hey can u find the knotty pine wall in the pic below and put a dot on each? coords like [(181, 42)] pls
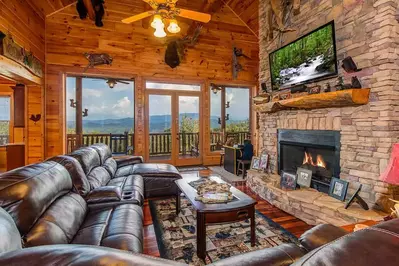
[(138, 54), (28, 30)]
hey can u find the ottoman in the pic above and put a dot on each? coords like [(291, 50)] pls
[(159, 179)]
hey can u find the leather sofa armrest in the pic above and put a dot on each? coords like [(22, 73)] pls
[(104, 195), (282, 255), (128, 160), (320, 235), (82, 255)]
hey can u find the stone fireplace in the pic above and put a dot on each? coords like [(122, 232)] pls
[(315, 150), (367, 31)]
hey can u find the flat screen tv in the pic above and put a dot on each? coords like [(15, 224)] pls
[(309, 58)]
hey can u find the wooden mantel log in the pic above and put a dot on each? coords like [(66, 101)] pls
[(342, 98)]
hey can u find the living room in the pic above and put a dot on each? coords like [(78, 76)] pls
[(202, 132)]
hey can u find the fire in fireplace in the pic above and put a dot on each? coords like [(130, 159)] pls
[(316, 150)]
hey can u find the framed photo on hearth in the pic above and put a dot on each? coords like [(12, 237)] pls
[(255, 164), (304, 177), (288, 181), (338, 189)]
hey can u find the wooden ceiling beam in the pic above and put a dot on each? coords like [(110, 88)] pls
[(227, 3), (209, 7)]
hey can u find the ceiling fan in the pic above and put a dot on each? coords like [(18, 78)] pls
[(112, 82), (167, 10)]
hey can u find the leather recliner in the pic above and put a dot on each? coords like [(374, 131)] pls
[(46, 211), (93, 169)]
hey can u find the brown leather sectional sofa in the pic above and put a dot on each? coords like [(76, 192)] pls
[(85, 209)]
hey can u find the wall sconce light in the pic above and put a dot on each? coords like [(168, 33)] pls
[(227, 105), (85, 113), (73, 103), (215, 89)]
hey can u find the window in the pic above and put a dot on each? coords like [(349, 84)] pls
[(169, 86), (107, 113), (5, 117), (230, 116)]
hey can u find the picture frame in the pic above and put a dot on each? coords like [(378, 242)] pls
[(288, 181), (264, 161), (356, 198), (338, 188), (255, 163), (304, 177)]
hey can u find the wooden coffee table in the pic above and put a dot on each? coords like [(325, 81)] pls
[(241, 208)]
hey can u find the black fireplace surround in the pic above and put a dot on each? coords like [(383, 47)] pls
[(322, 148)]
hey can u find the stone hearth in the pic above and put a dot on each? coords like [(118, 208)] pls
[(309, 205)]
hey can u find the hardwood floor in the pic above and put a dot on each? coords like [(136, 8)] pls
[(287, 221)]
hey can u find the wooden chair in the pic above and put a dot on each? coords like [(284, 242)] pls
[(242, 167)]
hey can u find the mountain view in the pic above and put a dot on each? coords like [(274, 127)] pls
[(158, 123)]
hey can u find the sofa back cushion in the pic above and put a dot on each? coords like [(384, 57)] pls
[(80, 182), (10, 238), (107, 161), (90, 160), (26, 193), (60, 222)]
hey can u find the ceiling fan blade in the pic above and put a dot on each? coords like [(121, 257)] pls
[(121, 81), (198, 16), (138, 17)]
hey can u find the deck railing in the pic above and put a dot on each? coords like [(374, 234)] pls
[(4, 139), (159, 143)]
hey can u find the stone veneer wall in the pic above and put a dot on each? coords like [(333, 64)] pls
[(367, 31)]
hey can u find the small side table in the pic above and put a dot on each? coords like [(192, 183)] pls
[(242, 167)]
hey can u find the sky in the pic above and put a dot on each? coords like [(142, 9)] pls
[(106, 103), (102, 101), (4, 108)]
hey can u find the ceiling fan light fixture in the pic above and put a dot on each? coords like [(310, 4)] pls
[(111, 83), (173, 26), (157, 22), (160, 32)]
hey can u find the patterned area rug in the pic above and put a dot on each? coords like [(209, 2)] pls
[(176, 235)]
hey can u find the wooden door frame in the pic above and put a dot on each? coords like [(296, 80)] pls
[(175, 111)]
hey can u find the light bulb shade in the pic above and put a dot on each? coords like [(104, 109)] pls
[(157, 22), (160, 32), (391, 173), (111, 83), (173, 26)]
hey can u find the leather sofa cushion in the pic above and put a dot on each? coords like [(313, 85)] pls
[(87, 157), (10, 239), (27, 192), (320, 235), (282, 255), (128, 160), (377, 245), (132, 187), (79, 255), (60, 222), (119, 227), (149, 170), (98, 177), (106, 159), (79, 180)]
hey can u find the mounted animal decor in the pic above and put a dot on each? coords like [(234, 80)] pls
[(275, 12), (92, 8), (174, 54), (97, 60), (236, 66), (35, 118)]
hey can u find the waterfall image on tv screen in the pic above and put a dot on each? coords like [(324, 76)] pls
[(311, 57)]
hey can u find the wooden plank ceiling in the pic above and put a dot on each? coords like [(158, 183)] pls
[(245, 10)]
